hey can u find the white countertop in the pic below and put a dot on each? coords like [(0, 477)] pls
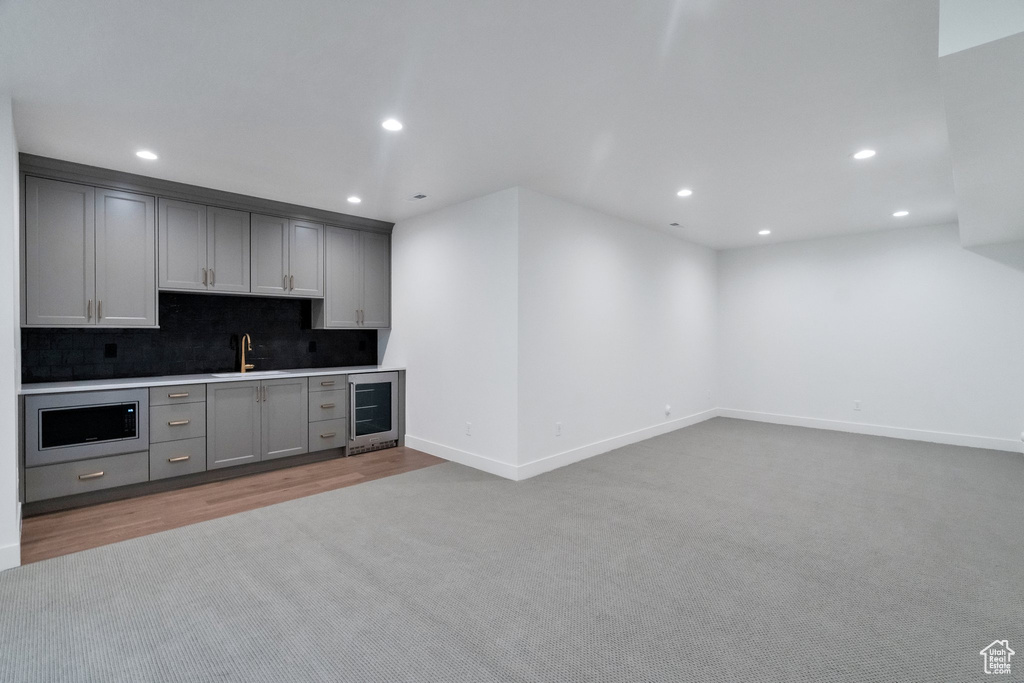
[(168, 380)]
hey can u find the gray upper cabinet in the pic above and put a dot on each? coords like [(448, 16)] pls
[(287, 257), (227, 249), (306, 258), (182, 245), (357, 281), (90, 256), (203, 248), (60, 254), (376, 275), (125, 259), (233, 428), (285, 417)]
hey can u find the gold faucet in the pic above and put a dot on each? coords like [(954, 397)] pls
[(246, 342)]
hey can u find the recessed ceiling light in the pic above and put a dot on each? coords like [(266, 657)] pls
[(674, 225), (901, 214), (146, 154), (354, 200), (864, 154), (685, 192), (392, 124), (764, 232)]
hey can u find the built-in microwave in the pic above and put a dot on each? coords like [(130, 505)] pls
[(88, 424)]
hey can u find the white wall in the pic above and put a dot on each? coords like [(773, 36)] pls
[(616, 320), (10, 341), (928, 335), (454, 325)]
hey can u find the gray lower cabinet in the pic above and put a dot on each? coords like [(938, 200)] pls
[(83, 476), (90, 256), (285, 410), (252, 421), (357, 286), (328, 434), (233, 427), (175, 458)]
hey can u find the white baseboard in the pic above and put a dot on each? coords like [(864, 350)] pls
[(551, 462), (951, 439), (479, 462), (10, 556)]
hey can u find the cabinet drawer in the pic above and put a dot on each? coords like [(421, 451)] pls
[(82, 476), (328, 434), (328, 405), (170, 423), (328, 383), (174, 458), (182, 393)]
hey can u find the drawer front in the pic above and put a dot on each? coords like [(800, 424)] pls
[(328, 405), (174, 458), (82, 476), (328, 434), (182, 393), (171, 423), (328, 383)]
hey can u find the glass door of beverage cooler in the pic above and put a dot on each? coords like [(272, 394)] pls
[(373, 408)]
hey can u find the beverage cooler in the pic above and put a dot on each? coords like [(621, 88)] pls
[(373, 411)]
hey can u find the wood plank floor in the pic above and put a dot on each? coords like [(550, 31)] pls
[(69, 531)]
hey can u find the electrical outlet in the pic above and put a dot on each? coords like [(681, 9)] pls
[(469, 429), (558, 429), (856, 405)]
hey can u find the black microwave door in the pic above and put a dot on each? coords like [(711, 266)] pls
[(86, 424)]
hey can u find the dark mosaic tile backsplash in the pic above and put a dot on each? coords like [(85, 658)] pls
[(198, 334)]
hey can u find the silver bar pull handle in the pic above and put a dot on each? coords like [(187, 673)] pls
[(257, 393), (183, 394), (326, 406), (99, 309), (286, 283), (180, 458), (291, 278), (329, 435), (264, 394), (352, 411), (88, 310), (94, 475), (178, 423), (204, 277), (327, 383), (213, 280)]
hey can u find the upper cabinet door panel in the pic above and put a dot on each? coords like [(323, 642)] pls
[(376, 283), (343, 295), (60, 267), (182, 245), (228, 250), (270, 255), (125, 259), (306, 259)]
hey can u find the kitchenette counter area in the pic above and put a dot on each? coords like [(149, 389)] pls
[(209, 378)]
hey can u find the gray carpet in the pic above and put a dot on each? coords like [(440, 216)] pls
[(726, 551)]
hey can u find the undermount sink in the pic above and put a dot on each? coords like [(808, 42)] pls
[(250, 373)]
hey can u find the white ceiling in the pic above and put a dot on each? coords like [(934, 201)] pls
[(613, 104)]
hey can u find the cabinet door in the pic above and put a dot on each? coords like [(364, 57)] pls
[(182, 245), (60, 253), (269, 255), (227, 249), (306, 259), (343, 279), (285, 417), (125, 259), (376, 270), (232, 423)]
